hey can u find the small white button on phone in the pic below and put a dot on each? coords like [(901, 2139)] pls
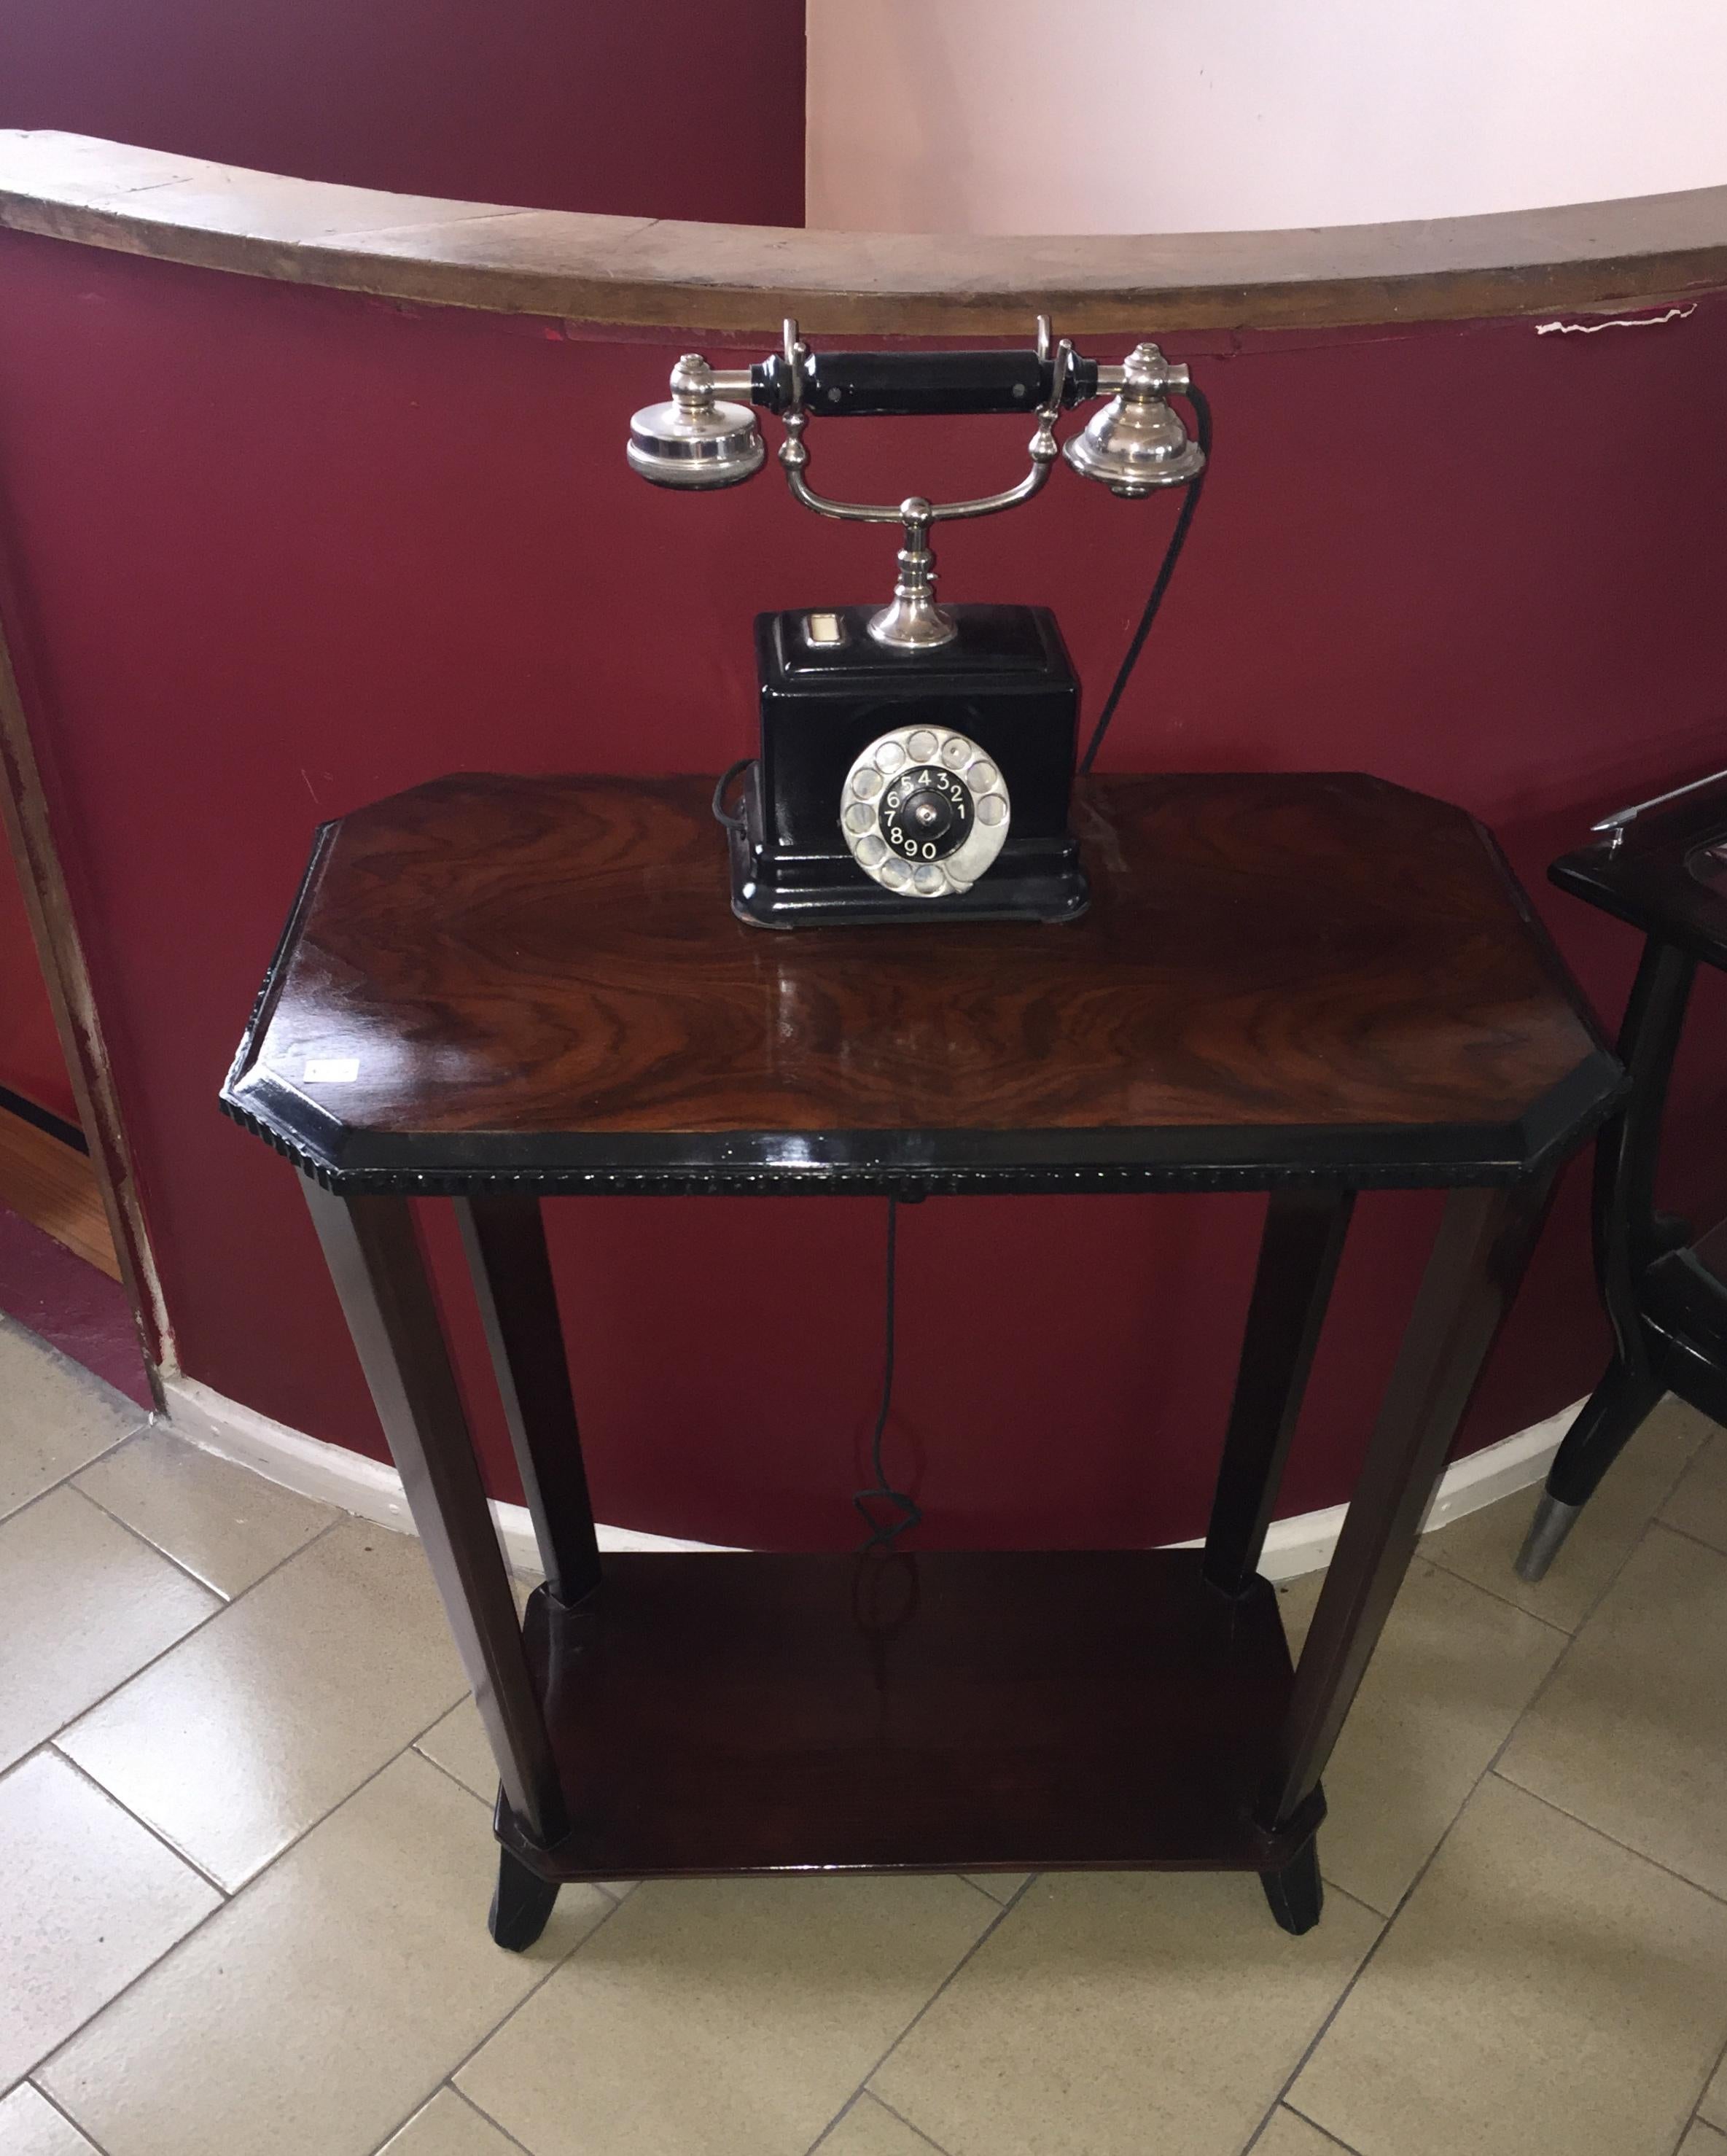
[(824, 628)]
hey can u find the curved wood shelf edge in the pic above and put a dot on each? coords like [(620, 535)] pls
[(653, 273)]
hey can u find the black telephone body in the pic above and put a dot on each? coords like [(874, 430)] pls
[(916, 762)]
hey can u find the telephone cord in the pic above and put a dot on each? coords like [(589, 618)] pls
[(883, 1532), (1172, 554)]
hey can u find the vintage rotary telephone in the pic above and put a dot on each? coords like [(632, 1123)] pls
[(916, 760)]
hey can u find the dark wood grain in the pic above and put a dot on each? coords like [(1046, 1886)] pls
[(663, 272), (959, 1711), (523, 973)]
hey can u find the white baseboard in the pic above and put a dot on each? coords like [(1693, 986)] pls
[(367, 1487)]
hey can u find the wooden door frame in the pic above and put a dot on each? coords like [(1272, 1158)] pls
[(60, 948)]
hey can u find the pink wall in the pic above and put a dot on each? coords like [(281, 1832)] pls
[(274, 552), (520, 102), (1218, 117)]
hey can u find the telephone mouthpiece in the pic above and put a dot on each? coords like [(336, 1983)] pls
[(1137, 443), (695, 441)]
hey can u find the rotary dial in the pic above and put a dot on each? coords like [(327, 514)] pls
[(924, 812)]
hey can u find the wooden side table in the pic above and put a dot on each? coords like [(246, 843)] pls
[(500, 989)]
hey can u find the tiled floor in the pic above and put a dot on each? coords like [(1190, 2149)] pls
[(245, 1856)]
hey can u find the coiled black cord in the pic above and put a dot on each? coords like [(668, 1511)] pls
[(1172, 554), (733, 819)]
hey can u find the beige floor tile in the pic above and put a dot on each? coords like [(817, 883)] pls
[(457, 1744), (999, 1886), (1698, 1503), (223, 1522), (1703, 2140), (449, 2126), (1543, 1990), (1483, 1546), (1111, 2012), (1713, 2107), (53, 1417), (30, 2125), (86, 1604), (1632, 1734), (731, 2016), (870, 2128), (237, 1740), (1289, 2134), (312, 2015), (87, 1900), (1453, 1670)]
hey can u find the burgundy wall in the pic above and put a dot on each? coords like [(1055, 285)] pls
[(275, 552), (514, 101)]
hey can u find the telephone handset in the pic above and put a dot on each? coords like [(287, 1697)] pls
[(916, 760)]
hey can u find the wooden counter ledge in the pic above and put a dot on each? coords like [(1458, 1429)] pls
[(657, 274)]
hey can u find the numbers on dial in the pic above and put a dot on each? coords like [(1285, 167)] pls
[(924, 812)]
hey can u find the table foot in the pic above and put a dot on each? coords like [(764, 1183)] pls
[(522, 1906), (1552, 1523), (1296, 1894), (1608, 1420)]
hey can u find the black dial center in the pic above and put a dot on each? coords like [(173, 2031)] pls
[(926, 814)]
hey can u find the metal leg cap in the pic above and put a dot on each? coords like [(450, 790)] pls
[(1546, 1539)]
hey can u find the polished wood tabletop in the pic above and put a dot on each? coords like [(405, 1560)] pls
[(491, 979)]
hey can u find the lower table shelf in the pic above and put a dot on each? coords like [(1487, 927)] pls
[(949, 1712)]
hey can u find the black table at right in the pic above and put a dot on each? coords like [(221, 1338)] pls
[(1662, 867)]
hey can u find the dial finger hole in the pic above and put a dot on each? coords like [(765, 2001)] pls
[(867, 783), (992, 810), (871, 849), (929, 879), (888, 757), (981, 775), (955, 750), (860, 817), (895, 875), (921, 744)]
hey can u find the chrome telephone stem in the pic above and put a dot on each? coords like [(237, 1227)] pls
[(913, 622)]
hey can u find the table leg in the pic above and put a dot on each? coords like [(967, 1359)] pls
[(1477, 1261), (505, 1240), (1304, 1231), (374, 1258), (1629, 1235)]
